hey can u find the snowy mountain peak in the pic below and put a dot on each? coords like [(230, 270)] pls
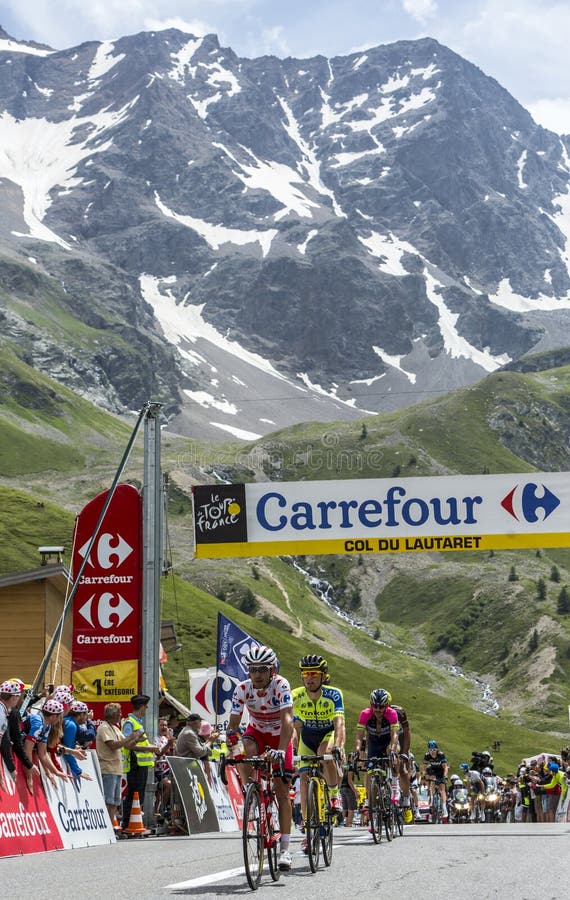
[(292, 239)]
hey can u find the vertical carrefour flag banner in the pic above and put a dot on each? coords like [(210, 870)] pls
[(108, 601), (233, 644)]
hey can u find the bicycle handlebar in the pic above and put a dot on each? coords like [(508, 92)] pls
[(315, 758), (264, 764)]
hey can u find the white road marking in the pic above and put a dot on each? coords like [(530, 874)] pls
[(207, 879)]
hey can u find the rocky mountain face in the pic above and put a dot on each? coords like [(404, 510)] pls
[(258, 242)]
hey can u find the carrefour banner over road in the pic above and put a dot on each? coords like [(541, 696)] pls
[(462, 512)]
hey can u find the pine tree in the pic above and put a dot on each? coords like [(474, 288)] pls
[(554, 574), (513, 574), (541, 589), (563, 602)]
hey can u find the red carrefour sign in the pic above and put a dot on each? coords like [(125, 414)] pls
[(107, 602), (26, 822)]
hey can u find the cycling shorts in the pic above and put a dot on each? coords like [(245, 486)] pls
[(310, 743), (265, 741)]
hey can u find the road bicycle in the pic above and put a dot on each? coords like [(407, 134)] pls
[(320, 817), (435, 804), (260, 829), (398, 814), (381, 809)]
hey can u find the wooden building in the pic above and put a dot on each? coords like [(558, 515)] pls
[(31, 604)]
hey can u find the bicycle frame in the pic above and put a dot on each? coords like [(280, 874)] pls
[(319, 818), (435, 800), (260, 830), (380, 804)]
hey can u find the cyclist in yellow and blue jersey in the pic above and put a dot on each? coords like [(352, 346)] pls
[(318, 717)]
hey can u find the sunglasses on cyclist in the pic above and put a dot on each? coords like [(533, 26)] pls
[(256, 669), (379, 705), (310, 674)]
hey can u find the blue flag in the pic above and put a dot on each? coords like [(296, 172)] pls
[(233, 644)]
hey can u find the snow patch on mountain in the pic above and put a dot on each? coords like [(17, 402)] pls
[(103, 61), (277, 179), (184, 322), (395, 362), (456, 345), (217, 235), (181, 60), (39, 155), (389, 249), (310, 162), (10, 46), (509, 299)]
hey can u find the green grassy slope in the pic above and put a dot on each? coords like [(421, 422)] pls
[(436, 706), (58, 451)]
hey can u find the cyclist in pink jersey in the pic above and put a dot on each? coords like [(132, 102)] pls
[(379, 724), (267, 698)]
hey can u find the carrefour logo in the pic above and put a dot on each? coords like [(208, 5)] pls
[(523, 503)]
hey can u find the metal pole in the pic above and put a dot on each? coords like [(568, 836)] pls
[(152, 567), (38, 681)]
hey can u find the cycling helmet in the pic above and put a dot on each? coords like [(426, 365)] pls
[(464, 767), (432, 745), (380, 697), (10, 687), (487, 771), (260, 656), (485, 754), (23, 685), (53, 707), (63, 694), (78, 706), (553, 767), (313, 662), (455, 778)]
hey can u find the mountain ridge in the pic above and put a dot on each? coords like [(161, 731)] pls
[(357, 229)]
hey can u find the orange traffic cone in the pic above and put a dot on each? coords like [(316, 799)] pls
[(116, 825), (135, 825)]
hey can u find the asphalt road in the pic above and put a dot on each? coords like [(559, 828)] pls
[(444, 862)]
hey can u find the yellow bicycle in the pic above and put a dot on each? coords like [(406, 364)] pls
[(320, 817)]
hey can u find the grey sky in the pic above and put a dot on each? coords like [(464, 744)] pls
[(521, 43)]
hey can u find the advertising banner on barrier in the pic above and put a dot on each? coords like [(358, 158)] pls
[(221, 800), (107, 603), (460, 512), (194, 791), (26, 821), (79, 809), (235, 794)]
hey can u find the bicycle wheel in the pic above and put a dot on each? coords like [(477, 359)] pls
[(272, 840), (438, 810), (388, 811), (252, 837), (375, 806), (399, 817), (328, 829), (312, 827)]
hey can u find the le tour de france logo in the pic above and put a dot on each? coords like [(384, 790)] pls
[(220, 513)]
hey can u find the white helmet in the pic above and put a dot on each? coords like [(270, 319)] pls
[(260, 656), (11, 687), (455, 778)]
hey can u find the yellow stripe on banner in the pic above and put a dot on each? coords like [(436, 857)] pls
[(107, 681), (422, 544)]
